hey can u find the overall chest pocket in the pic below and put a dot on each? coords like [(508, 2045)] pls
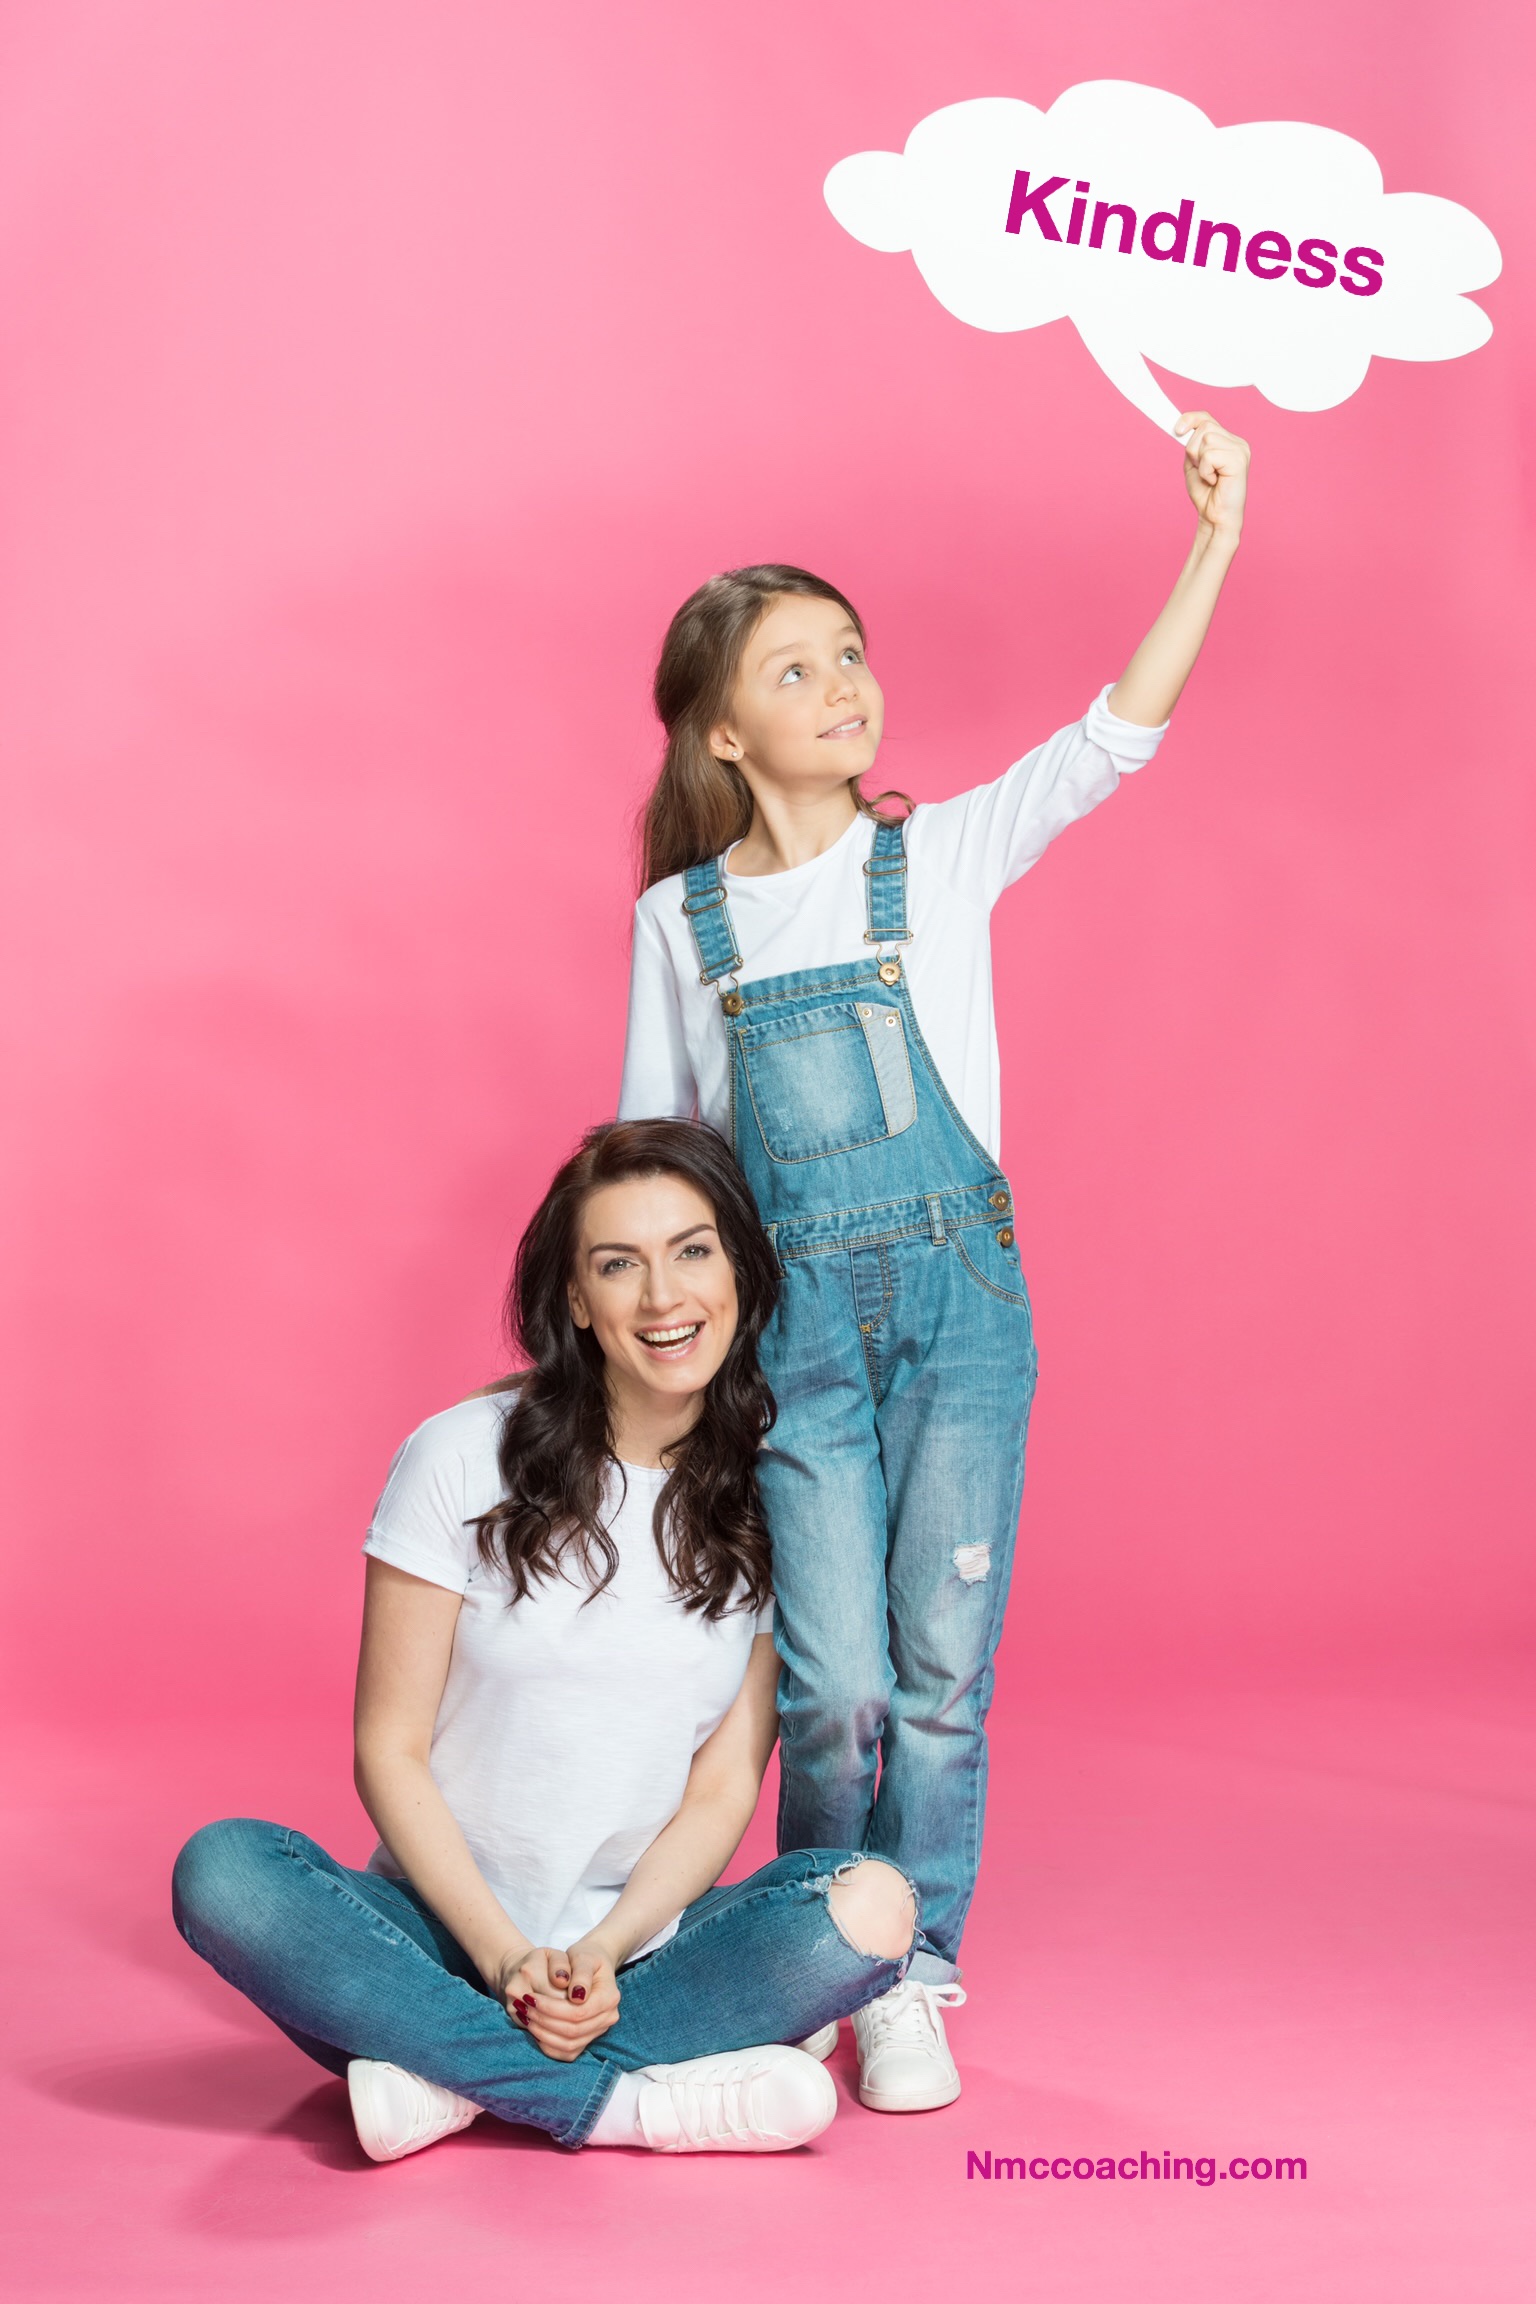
[(829, 1079)]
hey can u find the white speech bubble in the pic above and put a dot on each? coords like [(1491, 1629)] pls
[(1306, 269)]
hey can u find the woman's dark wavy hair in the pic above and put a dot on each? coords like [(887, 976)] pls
[(557, 1452)]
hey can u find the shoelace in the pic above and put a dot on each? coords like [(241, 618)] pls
[(706, 2110), (908, 2016), (420, 2111), (429, 2106)]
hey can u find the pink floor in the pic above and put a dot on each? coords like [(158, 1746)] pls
[(1295, 1923)]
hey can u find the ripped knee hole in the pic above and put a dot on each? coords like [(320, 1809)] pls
[(874, 1909)]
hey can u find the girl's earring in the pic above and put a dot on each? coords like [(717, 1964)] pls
[(735, 751)]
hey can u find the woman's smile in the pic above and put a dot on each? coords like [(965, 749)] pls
[(671, 1343)]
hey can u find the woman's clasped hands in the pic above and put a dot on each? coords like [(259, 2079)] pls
[(563, 2000)]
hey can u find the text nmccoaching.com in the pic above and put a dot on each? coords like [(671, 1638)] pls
[(1169, 2166)]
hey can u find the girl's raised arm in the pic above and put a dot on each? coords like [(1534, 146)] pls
[(983, 840), (1216, 475)]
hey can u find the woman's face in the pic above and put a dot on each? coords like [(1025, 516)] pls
[(806, 711), (656, 1288)]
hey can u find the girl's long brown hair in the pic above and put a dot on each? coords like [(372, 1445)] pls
[(701, 804), (556, 1455)]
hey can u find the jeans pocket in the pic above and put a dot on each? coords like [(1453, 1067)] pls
[(828, 1079), (993, 1266)]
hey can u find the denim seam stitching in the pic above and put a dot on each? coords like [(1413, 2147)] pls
[(922, 1231), (867, 1330), (822, 1032), (802, 1159), (962, 1192), (887, 1292), (906, 1057), (1005, 1295), (867, 972), (976, 1818)]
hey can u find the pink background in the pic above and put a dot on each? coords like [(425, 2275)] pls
[(376, 379)]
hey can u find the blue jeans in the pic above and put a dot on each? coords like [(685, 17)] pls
[(350, 1964), (902, 1359), (892, 1482)]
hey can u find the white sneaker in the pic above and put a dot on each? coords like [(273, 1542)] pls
[(395, 2113), (904, 2059), (819, 2044), (751, 2100)]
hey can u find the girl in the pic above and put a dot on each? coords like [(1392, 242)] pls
[(565, 1704), (814, 980)]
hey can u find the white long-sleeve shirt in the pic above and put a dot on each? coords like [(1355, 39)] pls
[(961, 855)]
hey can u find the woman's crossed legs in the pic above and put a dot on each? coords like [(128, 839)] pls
[(350, 1964)]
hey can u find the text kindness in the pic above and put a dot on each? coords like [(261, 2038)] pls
[(1165, 236)]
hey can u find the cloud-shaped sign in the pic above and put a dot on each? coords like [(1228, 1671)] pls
[(1264, 254)]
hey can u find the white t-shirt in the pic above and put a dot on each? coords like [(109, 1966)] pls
[(568, 1723), (961, 855)]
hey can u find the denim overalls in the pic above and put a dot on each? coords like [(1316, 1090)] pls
[(902, 1359)]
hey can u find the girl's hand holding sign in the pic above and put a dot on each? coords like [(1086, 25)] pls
[(1215, 473)]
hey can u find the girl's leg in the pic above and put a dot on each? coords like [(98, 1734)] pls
[(821, 1473), (952, 1423), (348, 1964)]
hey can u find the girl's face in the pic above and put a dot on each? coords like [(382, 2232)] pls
[(806, 712), (657, 1290)]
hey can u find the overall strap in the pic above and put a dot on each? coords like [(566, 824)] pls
[(709, 917), (885, 886)]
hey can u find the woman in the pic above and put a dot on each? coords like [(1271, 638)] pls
[(565, 1705)]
